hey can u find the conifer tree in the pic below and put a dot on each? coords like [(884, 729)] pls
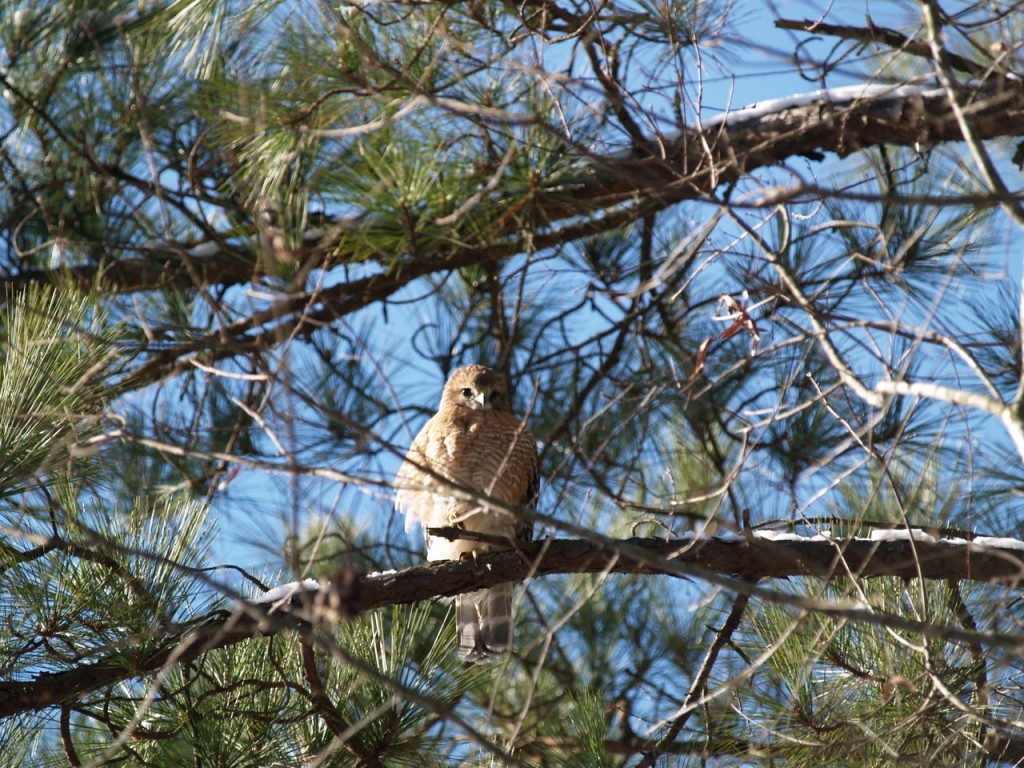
[(770, 346)]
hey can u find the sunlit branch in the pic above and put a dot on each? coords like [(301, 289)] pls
[(1006, 414), (733, 564)]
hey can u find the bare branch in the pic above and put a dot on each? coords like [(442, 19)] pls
[(885, 36)]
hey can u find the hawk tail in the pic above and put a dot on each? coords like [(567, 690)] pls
[(483, 624)]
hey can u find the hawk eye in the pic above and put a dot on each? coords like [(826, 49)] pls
[(467, 392)]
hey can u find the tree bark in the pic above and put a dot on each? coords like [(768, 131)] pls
[(748, 559), (690, 165)]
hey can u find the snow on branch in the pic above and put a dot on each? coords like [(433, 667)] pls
[(695, 161), (833, 99), (753, 557), (761, 555), (835, 120)]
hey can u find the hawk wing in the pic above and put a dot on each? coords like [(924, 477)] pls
[(414, 498)]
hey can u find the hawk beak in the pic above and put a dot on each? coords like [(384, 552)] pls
[(481, 397)]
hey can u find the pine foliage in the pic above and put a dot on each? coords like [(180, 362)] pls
[(244, 245)]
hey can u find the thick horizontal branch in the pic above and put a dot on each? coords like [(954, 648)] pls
[(597, 194), (691, 164), (839, 120), (154, 268), (750, 559)]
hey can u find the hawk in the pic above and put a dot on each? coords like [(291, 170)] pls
[(474, 441)]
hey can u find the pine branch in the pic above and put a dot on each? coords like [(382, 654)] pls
[(222, 629), (733, 564), (883, 35), (346, 735), (692, 164), (156, 268), (749, 560), (699, 686)]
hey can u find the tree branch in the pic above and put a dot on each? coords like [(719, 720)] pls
[(699, 158), (747, 559), (888, 37), (699, 686)]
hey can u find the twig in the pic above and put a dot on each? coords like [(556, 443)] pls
[(699, 686), (884, 35)]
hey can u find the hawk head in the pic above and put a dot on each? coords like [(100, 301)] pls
[(476, 387)]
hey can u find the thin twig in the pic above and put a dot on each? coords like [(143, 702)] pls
[(699, 686)]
